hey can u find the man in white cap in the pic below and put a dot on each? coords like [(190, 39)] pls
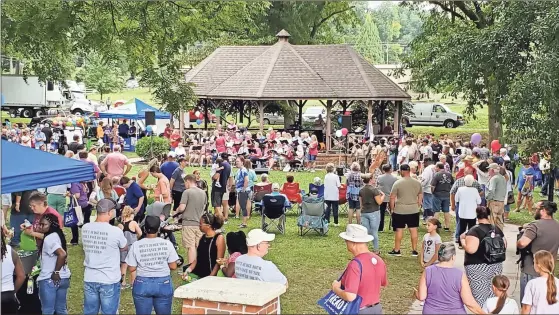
[(365, 274), (251, 265)]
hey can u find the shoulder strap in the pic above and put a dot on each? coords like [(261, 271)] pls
[(360, 270)]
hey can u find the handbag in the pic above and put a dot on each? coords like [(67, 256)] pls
[(70, 218), (333, 304), (77, 209), (510, 198)]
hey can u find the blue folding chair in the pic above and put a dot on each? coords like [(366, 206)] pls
[(319, 188)]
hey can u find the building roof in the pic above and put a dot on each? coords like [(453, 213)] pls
[(291, 72)]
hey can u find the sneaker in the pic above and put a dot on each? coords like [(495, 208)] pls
[(225, 222), (336, 224), (395, 253), (446, 229), (414, 253), (242, 226)]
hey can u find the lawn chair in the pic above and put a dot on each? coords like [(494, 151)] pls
[(312, 217), (293, 194), (259, 192), (342, 203), (319, 188), (273, 213)]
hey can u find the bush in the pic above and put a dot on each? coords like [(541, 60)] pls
[(150, 147), (459, 133)]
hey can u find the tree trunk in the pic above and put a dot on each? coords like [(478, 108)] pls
[(494, 109)]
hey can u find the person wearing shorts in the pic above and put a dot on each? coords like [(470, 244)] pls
[(6, 205), (405, 199), (191, 208), (440, 186), (243, 190)]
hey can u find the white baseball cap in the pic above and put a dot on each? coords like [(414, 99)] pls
[(258, 236), (275, 186), (171, 154)]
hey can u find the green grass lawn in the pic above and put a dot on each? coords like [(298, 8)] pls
[(310, 263)]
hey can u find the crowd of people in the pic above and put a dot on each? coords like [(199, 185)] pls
[(430, 175)]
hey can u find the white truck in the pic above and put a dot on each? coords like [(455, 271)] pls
[(33, 98)]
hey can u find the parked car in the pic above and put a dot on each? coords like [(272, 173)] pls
[(311, 113), (273, 119), (132, 84), (433, 114)]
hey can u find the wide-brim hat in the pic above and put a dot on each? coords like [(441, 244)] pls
[(356, 233)]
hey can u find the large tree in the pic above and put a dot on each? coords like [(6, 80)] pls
[(531, 110), (473, 49), (152, 35), (368, 41), (101, 75)]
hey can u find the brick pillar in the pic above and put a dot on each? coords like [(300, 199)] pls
[(217, 295)]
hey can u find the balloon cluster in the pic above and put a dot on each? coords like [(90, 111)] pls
[(200, 117), (80, 121), (342, 132)]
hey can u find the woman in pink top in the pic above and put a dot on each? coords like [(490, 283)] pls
[(236, 246), (313, 152), (162, 190), (220, 144)]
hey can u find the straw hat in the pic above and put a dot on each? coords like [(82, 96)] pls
[(356, 233)]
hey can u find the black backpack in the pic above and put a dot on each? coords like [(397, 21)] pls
[(495, 248)]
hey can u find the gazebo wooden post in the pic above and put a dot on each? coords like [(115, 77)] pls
[(206, 118), (261, 115), (181, 122), (397, 117), (370, 115), (328, 124)]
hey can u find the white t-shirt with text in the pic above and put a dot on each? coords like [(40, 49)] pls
[(101, 244), (152, 256), (430, 245), (256, 268)]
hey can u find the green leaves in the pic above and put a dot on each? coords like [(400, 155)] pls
[(101, 75), (368, 41)]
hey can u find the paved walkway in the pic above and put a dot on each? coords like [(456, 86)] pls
[(510, 268)]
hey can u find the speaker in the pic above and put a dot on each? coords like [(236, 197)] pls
[(346, 122), (150, 118)]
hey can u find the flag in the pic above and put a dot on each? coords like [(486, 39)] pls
[(369, 131)]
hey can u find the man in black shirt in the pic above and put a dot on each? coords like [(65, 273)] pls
[(437, 149), (75, 146), (218, 193), (48, 133)]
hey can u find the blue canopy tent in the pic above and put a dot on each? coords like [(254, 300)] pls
[(133, 110), (25, 168)]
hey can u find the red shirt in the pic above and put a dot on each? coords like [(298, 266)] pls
[(167, 133), (368, 282), (220, 144), (175, 139), (313, 148), (50, 210), (460, 173)]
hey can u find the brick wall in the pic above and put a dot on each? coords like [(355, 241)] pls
[(209, 307)]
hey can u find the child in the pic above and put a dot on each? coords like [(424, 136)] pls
[(500, 303), (215, 168), (540, 295), (132, 233), (431, 243)]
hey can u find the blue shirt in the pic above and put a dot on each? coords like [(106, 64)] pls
[(167, 168), (251, 178), (133, 195), (123, 128), (240, 179), (522, 176)]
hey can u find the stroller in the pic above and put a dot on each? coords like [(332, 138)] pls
[(167, 228)]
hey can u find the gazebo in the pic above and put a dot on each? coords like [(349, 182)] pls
[(333, 74)]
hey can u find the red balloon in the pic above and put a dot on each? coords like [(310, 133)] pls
[(96, 114), (347, 113), (344, 132), (495, 146)]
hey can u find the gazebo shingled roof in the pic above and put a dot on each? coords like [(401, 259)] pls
[(287, 72)]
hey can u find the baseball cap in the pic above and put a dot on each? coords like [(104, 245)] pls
[(105, 205), (258, 236), (152, 224), (493, 166), (171, 154), (404, 167), (314, 191), (275, 186)]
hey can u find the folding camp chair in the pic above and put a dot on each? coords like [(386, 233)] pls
[(273, 213), (312, 217), (342, 203), (293, 194), (259, 192), (319, 188)]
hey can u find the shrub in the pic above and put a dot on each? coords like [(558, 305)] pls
[(150, 147)]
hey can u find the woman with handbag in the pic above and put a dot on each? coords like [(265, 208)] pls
[(360, 285), (162, 190), (79, 202)]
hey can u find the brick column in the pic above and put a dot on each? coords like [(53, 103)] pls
[(217, 295)]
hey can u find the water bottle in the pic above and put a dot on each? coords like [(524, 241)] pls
[(30, 284)]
